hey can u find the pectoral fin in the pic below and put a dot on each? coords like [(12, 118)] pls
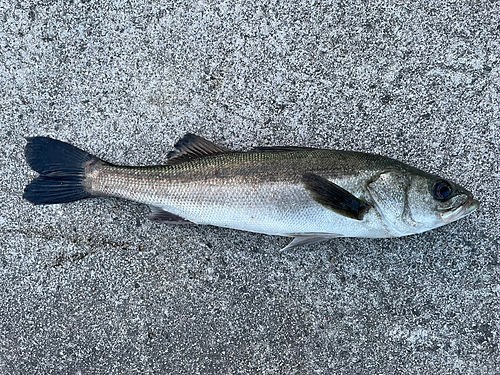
[(161, 216), (334, 197)]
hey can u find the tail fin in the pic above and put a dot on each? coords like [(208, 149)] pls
[(62, 171)]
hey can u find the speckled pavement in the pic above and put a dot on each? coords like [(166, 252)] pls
[(93, 287)]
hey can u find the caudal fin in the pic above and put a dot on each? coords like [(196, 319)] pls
[(62, 171)]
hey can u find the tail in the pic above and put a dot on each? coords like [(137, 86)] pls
[(62, 171)]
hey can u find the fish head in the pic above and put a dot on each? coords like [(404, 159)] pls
[(412, 201)]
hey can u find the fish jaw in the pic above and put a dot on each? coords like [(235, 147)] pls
[(461, 211)]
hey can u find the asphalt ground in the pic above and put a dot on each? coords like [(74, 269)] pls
[(93, 287)]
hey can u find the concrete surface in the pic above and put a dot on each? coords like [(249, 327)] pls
[(93, 287)]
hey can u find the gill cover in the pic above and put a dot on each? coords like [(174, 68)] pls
[(389, 191)]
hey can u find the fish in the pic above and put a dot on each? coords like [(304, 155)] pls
[(309, 194)]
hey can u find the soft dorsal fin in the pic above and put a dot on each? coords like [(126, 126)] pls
[(191, 147), (334, 197), (282, 148)]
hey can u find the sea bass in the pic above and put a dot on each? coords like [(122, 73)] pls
[(306, 193)]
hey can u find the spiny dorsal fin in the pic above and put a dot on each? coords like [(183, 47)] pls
[(334, 197), (191, 147)]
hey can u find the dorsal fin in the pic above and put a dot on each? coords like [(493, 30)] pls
[(192, 147), (282, 148)]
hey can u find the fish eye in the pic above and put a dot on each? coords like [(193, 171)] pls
[(442, 190)]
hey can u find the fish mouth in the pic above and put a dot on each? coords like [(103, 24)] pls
[(468, 207)]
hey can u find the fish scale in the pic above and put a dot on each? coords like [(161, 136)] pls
[(237, 190)]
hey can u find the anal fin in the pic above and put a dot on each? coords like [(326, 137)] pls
[(161, 216), (302, 241)]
